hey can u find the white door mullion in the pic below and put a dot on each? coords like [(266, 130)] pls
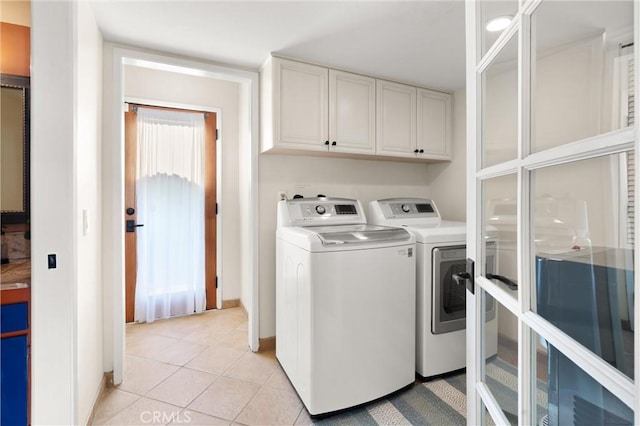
[(499, 44), (502, 296), (502, 169), (474, 404), (526, 355), (608, 376), (609, 143), (636, 263), (493, 407), (526, 378)]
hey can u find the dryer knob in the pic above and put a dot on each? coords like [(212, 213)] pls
[(320, 210), (406, 208)]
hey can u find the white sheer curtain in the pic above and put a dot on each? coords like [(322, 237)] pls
[(170, 203)]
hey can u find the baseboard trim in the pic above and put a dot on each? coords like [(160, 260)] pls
[(267, 344), (244, 310), (107, 380), (231, 303)]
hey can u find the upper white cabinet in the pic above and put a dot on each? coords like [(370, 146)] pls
[(294, 105), (413, 122), (352, 113), (396, 119), (434, 130), (315, 110), (312, 108)]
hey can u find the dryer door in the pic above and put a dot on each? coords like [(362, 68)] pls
[(448, 297)]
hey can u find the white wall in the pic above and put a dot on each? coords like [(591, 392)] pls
[(53, 291), (88, 180), (16, 12), (308, 176), (157, 85), (66, 320)]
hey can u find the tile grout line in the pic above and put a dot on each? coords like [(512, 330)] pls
[(205, 347)]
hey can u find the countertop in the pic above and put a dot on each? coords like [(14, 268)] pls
[(15, 274)]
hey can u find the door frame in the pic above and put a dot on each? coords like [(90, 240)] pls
[(218, 197), (113, 188), (528, 322)]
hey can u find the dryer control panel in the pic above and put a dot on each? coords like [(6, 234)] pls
[(404, 208)]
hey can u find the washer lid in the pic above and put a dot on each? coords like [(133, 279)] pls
[(359, 234)]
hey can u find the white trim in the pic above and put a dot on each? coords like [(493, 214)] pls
[(176, 105), (220, 215), (114, 160), (219, 177)]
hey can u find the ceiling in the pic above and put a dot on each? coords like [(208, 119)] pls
[(420, 42)]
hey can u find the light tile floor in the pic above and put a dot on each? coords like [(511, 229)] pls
[(198, 370)]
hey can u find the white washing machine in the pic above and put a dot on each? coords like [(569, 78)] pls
[(440, 301), (345, 304)]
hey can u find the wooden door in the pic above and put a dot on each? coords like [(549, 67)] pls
[(210, 212)]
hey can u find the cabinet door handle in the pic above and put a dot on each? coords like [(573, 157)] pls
[(415, 150), (326, 142), (422, 151), (333, 143)]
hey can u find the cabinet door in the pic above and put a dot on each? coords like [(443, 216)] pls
[(352, 113), (434, 124), (300, 104), (396, 119), (13, 380)]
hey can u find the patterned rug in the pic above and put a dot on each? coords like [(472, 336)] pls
[(441, 401)]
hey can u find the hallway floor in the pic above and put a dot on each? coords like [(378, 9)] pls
[(198, 370)]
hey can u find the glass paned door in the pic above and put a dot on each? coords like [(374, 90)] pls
[(551, 216)]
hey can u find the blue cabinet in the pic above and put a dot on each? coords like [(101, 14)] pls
[(13, 380), (14, 358)]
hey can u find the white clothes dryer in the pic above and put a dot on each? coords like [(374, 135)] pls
[(345, 304), (440, 301)]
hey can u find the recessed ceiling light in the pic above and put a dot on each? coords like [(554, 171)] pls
[(499, 23)]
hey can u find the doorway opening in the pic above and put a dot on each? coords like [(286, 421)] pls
[(245, 210)]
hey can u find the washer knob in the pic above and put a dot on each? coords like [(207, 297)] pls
[(406, 208), (320, 209)]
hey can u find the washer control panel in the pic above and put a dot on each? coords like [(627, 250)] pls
[(323, 211)]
